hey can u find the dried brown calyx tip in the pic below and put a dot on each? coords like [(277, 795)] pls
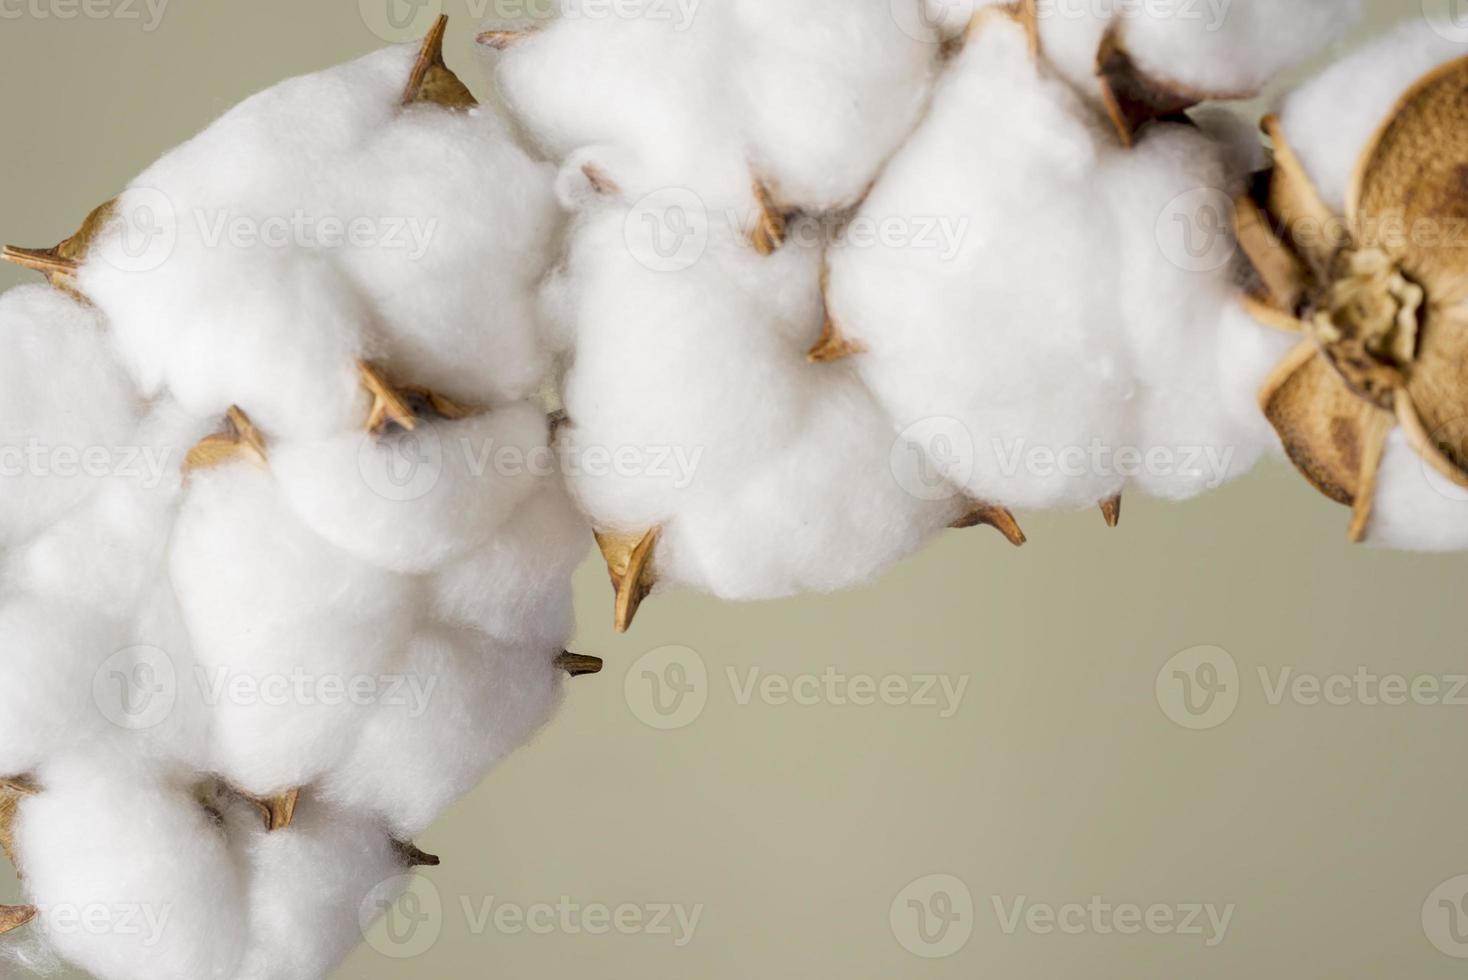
[(18, 786), (1134, 98), (389, 407), (769, 229), (504, 40), (431, 80), (629, 562), (59, 264), (577, 665), (834, 345), (13, 917), (1111, 511), (9, 808), (238, 441), (278, 811), (1026, 13), (1378, 303), (412, 857), (1000, 519)]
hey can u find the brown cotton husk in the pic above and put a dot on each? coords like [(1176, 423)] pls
[(629, 563), (59, 263), (577, 665), (990, 515), (432, 81), (1376, 293)]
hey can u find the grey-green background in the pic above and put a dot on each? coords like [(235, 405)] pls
[(795, 827)]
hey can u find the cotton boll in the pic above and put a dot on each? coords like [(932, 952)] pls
[(1416, 508), (63, 401), (278, 333), (282, 623), (308, 885), (517, 588), (826, 91), (1172, 196), (594, 77), (468, 221), (1004, 341), (1232, 47), (460, 701), (132, 875), (411, 501), (1330, 119)]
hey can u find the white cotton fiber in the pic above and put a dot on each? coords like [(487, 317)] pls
[(283, 624), (320, 223), (459, 701), (132, 875), (825, 91), (1330, 119), (65, 404), (1416, 507), (411, 501), (769, 475), (517, 587), (1004, 344), (1195, 410), (809, 97), (307, 886)]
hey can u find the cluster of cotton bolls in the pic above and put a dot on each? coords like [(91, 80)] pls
[(1022, 329), (321, 581)]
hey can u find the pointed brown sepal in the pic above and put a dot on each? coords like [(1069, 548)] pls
[(412, 857), (629, 562), (769, 230), (389, 407), (13, 917), (1026, 13), (239, 440), (421, 401), (60, 263), (1332, 435), (1132, 97), (577, 665), (431, 80), (19, 786), (47, 261), (834, 345), (278, 811), (1111, 511), (504, 40), (1281, 280), (1000, 519), (1302, 220)]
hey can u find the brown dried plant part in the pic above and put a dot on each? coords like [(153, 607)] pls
[(10, 796), (1000, 519), (505, 40), (1026, 13), (13, 917), (1111, 511), (238, 441), (1134, 98), (833, 345), (629, 562), (389, 406), (413, 857), (432, 81), (277, 811), (59, 264), (769, 230), (577, 665), (1378, 294)]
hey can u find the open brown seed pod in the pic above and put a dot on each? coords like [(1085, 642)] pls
[(1375, 294)]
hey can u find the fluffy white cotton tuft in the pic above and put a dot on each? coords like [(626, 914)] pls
[(996, 346), (1416, 507), (132, 874), (310, 886), (65, 408)]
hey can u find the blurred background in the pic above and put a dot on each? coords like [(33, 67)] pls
[(1106, 755)]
